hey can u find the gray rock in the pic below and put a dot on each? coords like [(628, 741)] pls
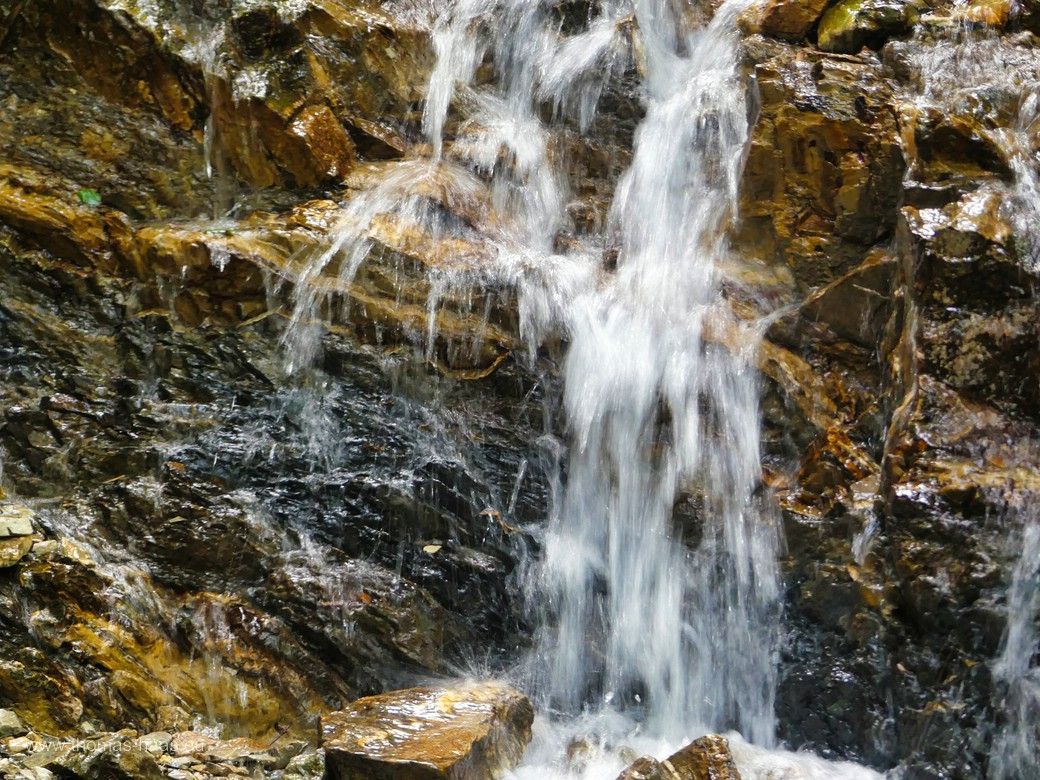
[(306, 766), (15, 520), (10, 724), (156, 743)]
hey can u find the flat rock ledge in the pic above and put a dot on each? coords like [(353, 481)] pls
[(707, 758), (469, 732)]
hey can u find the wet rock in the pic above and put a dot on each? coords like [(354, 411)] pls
[(13, 549), (824, 166), (366, 617), (787, 19), (137, 69), (706, 758), (645, 768), (46, 696), (61, 224), (974, 283), (989, 13), (303, 89), (849, 25), (468, 732), (954, 148), (856, 306)]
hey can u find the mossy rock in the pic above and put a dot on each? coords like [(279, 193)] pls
[(849, 25)]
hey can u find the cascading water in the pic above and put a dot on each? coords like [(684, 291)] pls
[(656, 408), (645, 638)]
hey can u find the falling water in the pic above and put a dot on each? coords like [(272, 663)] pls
[(657, 407), (652, 630)]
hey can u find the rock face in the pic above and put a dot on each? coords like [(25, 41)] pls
[(787, 19), (898, 518), (463, 733), (215, 541), (824, 168)]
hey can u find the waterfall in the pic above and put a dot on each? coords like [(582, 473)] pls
[(660, 390), (660, 387), (655, 407)]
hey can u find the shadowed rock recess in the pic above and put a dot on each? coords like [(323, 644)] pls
[(240, 490)]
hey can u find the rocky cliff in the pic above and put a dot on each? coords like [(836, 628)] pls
[(214, 540)]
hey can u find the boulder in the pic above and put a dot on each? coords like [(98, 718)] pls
[(707, 758), (468, 732)]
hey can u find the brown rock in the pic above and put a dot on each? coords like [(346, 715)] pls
[(329, 152), (61, 225), (645, 768), (707, 758), (470, 732), (790, 20), (825, 166), (13, 549), (135, 67), (855, 305)]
